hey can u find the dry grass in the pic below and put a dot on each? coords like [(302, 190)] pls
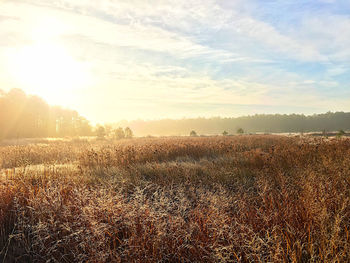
[(219, 199)]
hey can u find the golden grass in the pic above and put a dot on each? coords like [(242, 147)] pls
[(218, 199)]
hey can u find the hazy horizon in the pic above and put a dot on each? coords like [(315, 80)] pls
[(122, 60), (117, 121)]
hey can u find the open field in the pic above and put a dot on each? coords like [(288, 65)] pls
[(258, 198)]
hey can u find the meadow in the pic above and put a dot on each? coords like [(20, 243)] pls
[(250, 198)]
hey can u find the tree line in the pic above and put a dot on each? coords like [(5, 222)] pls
[(24, 116), (259, 123)]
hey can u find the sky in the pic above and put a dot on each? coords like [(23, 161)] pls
[(138, 59)]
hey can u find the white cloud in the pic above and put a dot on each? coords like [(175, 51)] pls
[(336, 70), (328, 1), (159, 52), (328, 33), (137, 35), (189, 17)]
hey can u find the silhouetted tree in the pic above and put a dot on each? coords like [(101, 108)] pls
[(225, 133), (128, 132), (119, 133), (108, 129), (100, 132), (83, 127)]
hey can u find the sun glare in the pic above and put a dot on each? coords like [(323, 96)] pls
[(46, 68)]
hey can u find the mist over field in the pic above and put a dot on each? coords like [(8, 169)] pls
[(35, 118)]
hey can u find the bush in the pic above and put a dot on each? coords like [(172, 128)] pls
[(341, 133), (193, 134), (240, 131)]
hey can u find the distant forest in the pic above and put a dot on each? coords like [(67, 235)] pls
[(262, 123), (23, 116)]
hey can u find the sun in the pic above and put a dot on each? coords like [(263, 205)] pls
[(48, 71), (46, 68)]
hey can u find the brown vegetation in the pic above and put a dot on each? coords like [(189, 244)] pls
[(199, 199)]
